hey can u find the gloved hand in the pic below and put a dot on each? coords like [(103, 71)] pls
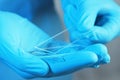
[(18, 38), (91, 21)]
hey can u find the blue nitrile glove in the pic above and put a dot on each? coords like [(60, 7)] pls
[(92, 21), (18, 41)]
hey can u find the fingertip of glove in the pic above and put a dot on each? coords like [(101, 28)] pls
[(101, 51), (101, 47), (92, 57)]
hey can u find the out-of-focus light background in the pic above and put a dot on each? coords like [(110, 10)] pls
[(48, 20)]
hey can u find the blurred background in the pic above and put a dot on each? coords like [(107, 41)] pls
[(49, 18)]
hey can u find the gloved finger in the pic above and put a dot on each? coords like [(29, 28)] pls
[(78, 25), (101, 52), (86, 16), (88, 11), (107, 24), (74, 60), (92, 56), (79, 18), (65, 63), (69, 18)]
